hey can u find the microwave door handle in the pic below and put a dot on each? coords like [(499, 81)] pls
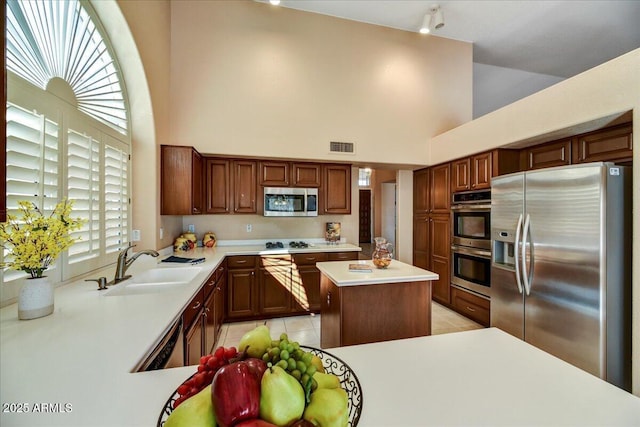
[(526, 277), (517, 261)]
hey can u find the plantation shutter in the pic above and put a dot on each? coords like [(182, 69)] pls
[(83, 186), (31, 164), (32, 159), (116, 193)]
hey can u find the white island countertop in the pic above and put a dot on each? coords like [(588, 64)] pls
[(397, 272), (73, 368)]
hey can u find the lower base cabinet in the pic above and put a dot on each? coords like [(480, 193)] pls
[(203, 318), (474, 307), (261, 287)]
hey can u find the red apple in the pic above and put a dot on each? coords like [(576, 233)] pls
[(235, 394)]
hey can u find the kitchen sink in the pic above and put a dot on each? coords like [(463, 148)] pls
[(154, 281)]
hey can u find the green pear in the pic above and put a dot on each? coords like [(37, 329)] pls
[(256, 341), (326, 380), (329, 407), (281, 397), (196, 411)]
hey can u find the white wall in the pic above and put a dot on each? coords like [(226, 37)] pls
[(494, 87)]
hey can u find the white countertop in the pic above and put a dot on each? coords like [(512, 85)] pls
[(397, 272), (78, 361)]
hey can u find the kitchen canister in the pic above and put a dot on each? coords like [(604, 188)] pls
[(35, 298)]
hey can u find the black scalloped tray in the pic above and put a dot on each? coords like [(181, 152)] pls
[(332, 365)]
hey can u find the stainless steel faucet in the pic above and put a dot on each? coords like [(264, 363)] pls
[(124, 262)]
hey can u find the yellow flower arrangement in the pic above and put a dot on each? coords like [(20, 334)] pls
[(35, 241)]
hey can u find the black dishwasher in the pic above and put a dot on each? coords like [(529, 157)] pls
[(169, 353)]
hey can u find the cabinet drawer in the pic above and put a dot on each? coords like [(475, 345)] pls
[(343, 256), (210, 285), (472, 306), (309, 258), (193, 309), (275, 261), (241, 261)]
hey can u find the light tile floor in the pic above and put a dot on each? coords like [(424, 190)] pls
[(306, 329)]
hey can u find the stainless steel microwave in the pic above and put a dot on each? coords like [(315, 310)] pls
[(282, 201)]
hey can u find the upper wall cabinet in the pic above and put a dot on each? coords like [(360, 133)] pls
[(336, 189), (613, 144), (245, 188), (289, 174), (181, 181), (307, 175), (475, 172), (440, 193), (610, 145), (218, 186), (275, 174)]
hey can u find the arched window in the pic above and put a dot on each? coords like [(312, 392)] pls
[(67, 126)]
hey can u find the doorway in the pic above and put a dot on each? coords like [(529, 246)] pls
[(365, 216)]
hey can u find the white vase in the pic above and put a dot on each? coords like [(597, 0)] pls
[(35, 299)]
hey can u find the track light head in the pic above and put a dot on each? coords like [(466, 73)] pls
[(433, 19)]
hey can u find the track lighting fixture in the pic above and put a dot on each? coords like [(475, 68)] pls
[(433, 19)]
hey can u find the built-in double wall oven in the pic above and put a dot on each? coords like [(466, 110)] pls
[(471, 241)]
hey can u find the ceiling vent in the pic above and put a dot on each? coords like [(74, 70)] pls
[(342, 147)]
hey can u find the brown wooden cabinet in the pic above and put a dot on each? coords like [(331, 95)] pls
[(305, 281), (421, 185), (472, 306), (475, 172), (181, 186), (608, 145), (241, 292), (274, 285), (440, 256), (307, 175), (289, 174), (548, 155), (203, 318), (213, 311), (347, 317), (439, 191), (336, 189), (432, 226), (245, 186), (342, 256), (274, 174), (218, 186)]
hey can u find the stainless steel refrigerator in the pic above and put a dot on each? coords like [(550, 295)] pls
[(561, 264)]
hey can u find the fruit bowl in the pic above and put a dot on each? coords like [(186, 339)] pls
[(332, 365)]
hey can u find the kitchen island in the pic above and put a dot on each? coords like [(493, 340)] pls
[(374, 305)]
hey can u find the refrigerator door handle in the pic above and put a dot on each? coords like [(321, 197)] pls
[(526, 277), (515, 253)]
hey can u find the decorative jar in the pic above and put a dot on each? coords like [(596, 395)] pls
[(383, 253)]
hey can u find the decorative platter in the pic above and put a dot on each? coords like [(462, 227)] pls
[(332, 365)]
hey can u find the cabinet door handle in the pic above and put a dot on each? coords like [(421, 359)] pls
[(197, 306), (471, 309), (242, 261), (328, 299)]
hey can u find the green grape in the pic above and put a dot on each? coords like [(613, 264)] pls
[(307, 357), (275, 359), (311, 369), (301, 366), (284, 355), (283, 364), (305, 379), (296, 374), (283, 344), (274, 352), (296, 345), (265, 357), (290, 348), (283, 337), (314, 384), (275, 343), (297, 354), (292, 364)]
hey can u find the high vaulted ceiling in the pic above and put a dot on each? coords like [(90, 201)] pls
[(558, 38)]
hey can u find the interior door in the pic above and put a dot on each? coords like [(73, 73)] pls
[(365, 217)]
